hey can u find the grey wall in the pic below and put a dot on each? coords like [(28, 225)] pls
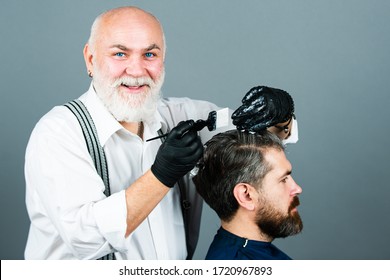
[(332, 56)]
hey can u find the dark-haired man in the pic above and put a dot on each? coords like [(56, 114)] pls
[(246, 178)]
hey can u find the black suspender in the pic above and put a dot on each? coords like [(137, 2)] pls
[(91, 138), (185, 209), (94, 148)]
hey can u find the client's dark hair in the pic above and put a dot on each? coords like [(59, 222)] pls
[(230, 158)]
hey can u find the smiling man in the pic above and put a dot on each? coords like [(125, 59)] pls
[(246, 178), (134, 212), (125, 57)]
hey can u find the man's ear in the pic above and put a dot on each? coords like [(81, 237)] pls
[(245, 195), (88, 58)]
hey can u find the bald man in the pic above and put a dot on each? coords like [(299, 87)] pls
[(140, 215)]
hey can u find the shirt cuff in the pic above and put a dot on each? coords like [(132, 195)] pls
[(110, 215)]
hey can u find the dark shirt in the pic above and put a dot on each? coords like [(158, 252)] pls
[(227, 246)]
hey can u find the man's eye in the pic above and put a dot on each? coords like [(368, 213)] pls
[(149, 55), (284, 180), (120, 54)]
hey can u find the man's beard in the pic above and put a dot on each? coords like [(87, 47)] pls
[(277, 224), (127, 107)]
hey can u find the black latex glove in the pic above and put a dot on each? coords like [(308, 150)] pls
[(263, 107), (178, 154)]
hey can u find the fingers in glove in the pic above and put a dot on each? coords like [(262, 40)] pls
[(254, 123), (179, 130), (253, 108), (258, 116), (195, 149), (254, 93)]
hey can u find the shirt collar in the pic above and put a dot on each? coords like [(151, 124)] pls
[(106, 125)]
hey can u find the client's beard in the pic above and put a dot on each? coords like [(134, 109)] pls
[(127, 107), (277, 224)]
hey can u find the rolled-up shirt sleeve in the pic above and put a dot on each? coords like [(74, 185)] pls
[(67, 199), (112, 227)]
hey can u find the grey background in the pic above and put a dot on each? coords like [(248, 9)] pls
[(332, 56)]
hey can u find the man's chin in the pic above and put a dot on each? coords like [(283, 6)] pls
[(135, 114), (297, 221)]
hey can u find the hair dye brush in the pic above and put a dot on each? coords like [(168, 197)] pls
[(216, 119)]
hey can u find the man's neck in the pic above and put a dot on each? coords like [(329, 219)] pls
[(134, 127), (246, 229)]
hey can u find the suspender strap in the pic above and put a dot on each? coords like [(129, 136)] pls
[(93, 145), (185, 209), (91, 138)]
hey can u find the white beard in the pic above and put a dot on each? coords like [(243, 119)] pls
[(129, 107)]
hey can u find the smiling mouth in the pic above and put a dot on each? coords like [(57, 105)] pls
[(134, 87)]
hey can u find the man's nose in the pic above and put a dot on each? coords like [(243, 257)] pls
[(296, 189), (135, 67)]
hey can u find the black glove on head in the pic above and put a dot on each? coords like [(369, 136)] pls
[(263, 107), (178, 154)]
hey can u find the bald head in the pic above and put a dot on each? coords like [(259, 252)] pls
[(124, 17), (125, 58)]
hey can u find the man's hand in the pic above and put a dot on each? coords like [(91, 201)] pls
[(178, 154), (261, 108)]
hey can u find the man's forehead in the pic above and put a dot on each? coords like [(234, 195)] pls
[(278, 162), (126, 33)]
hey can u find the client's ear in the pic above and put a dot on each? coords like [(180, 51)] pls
[(246, 195)]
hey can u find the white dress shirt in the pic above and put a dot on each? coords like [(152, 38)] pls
[(70, 216)]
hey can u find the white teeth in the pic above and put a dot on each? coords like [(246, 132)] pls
[(131, 85), (133, 82)]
